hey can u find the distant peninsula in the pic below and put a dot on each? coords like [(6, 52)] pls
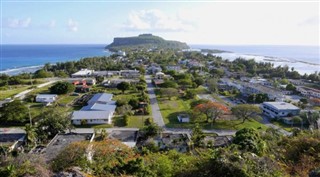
[(146, 41)]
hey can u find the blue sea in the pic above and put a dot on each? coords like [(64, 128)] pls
[(28, 58), (304, 59)]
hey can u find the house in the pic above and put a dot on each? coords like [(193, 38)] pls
[(183, 118), (92, 117), (106, 73), (82, 73), (309, 92), (154, 68), (82, 81), (100, 110), (46, 98), (160, 75), (102, 98), (11, 139), (279, 109), (127, 137), (176, 68), (130, 73)]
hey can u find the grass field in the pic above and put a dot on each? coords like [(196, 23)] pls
[(170, 109), (10, 92)]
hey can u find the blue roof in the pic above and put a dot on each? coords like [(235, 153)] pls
[(99, 107), (100, 97)]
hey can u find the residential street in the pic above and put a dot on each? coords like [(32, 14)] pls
[(267, 123), (21, 95), (156, 114)]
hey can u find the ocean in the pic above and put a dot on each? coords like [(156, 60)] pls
[(28, 58), (304, 59)]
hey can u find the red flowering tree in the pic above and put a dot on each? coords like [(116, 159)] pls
[(212, 110)]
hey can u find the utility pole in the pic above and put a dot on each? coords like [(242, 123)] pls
[(29, 115)]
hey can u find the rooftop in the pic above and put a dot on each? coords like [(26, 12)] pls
[(84, 72), (100, 107), (79, 115), (281, 105), (128, 138), (6, 138), (61, 141), (101, 97), (46, 95)]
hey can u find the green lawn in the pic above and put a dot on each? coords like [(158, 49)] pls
[(170, 109), (44, 90), (66, 99), (10, 92), (135, 121)]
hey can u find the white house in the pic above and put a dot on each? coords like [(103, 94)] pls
[(309, 92), (279, 109), (176, 68), (100, 110), (183, 118), (82, 73), (46, 98), (91, 117)]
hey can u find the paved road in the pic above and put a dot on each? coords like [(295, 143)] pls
[(266, 122), (21, 95), (206, 96), (156, 114)]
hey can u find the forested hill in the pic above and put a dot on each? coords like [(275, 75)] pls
[(147, 41)]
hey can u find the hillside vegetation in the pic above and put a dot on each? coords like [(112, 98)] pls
[(144, 41)]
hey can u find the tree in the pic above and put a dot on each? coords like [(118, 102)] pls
[(197, 136), (151, 130), (212, 110), (212, 85), (290, 87), (248, 139), (199, 81), (13, 112), (297, 120), (258, 98), (123, 86), (42, 74), (53, 121), (190, 94), (168, 84), (124, 109), (62, 88), (168, 92), (245, 111), (31, 135)]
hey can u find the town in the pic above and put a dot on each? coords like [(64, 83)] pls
[(155, 100)]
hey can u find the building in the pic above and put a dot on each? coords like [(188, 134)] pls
[(91, 117), (130, 73), (176, 68), (279, 109), (309, 92), (82, 73), (46, 98), (154, 68), (106, 73), (100, 110), (160, 75), (183, 118)]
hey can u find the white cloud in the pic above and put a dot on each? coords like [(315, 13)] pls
[(155, 20), (72, 25), (52, 24), (310, 21), (18, 23)]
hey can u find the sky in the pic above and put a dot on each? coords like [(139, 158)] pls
[(194, 22)]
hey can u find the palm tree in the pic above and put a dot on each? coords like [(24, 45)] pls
[(31, 135)]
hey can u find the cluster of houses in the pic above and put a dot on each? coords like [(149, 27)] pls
[(84, 73), (100, 110)]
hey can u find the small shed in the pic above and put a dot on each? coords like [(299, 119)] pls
[(184, 118)]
